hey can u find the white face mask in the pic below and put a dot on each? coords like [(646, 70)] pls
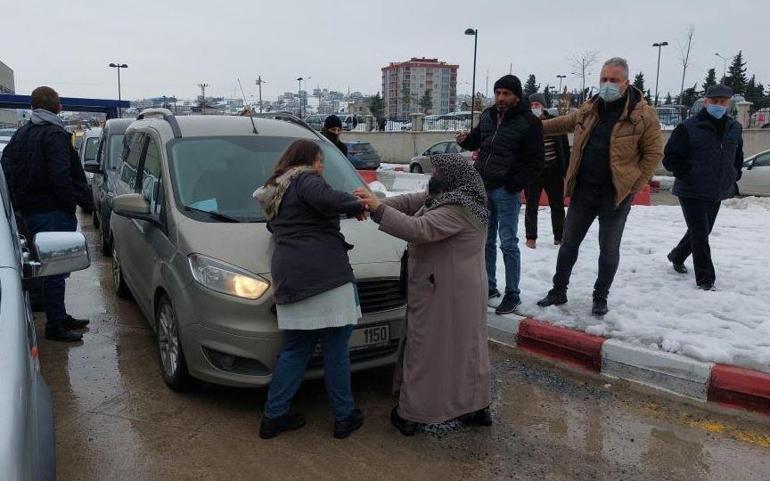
[(537, 112)]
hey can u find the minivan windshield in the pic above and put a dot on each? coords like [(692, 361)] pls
[(220, 174)]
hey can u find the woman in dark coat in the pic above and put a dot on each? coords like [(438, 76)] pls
[(314, 286)]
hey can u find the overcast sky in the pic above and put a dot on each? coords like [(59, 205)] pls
[(170, 49)]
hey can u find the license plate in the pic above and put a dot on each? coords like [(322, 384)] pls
[(369, 337)]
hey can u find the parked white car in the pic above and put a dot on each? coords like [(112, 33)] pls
[(756, 175)]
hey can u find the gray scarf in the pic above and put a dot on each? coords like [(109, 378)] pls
[(463, 187), (43, 116)]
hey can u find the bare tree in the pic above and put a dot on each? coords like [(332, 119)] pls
[(581, 63), (685, 48)]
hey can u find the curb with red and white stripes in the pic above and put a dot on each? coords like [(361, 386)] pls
[(705, 381)]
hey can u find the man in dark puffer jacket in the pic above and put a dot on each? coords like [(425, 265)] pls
[(47, 182), (511, 155)]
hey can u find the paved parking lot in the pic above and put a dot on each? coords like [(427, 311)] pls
[(116, 420)]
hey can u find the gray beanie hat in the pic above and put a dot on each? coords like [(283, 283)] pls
[(538, 98)]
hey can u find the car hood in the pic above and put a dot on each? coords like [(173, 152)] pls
[(249, 245)]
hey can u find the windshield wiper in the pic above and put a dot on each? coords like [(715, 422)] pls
[(213, 214)]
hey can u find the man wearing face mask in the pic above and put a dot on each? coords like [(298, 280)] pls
[(616, 148), (511, 154), (705, 153), (332, 130)]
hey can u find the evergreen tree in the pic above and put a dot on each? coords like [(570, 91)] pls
[(531, 87), (736, 74), (406, 98), (639, 81), (376, 106), (689, 96), (648, 97), (755, 93), (426, 102), (711, 79), (669, 100), (547, 95)]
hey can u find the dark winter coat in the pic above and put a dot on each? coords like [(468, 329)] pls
[(511, 151), (706, 157), (43, 171), (335, 139), (311, 255), (562, 151)]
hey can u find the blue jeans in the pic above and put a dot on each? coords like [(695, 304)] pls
[(53, 286), (504, 210), (292, 363)]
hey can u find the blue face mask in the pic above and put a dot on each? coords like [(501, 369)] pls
[(609, 92), (716, 111)]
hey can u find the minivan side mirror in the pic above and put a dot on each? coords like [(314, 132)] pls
[(57, 253), (133, 206), (751, 165), (93, 167)]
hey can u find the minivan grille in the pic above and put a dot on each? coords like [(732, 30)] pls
[(378, 296)]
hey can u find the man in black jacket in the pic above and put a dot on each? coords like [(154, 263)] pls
[(551, 179), (705, 153), (511, 154), (332, 130), (47, 182)]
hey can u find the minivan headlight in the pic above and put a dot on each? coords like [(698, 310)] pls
[(225, 278)]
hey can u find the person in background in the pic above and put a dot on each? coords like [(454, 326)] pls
[(313, 284), (551, 179), (444, 371), (47, 183), (705, 153), (332, 130), (616, 149), (511, 154)]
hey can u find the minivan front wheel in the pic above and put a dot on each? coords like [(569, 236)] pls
[(172, 362), (416, 169), (118, 282)]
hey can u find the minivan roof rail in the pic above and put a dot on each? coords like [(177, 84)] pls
[(164, 114), (287, 118)]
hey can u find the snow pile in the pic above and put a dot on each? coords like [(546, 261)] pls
[(655, 307), (666, 182), (748, 203)]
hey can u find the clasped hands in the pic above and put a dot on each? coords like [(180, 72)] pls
[(369, 200)]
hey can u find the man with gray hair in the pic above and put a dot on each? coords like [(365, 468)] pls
[(617, 146)]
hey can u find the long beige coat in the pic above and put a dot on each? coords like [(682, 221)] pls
[(445, 371)]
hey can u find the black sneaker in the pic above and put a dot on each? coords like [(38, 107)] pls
[(74, 324), (270, 428), (599, 308), (707, 286), (509, 304), (62, 334), (493, 294), (407, 428), (345, 428), (678, 267), (482, 417), (554, 297)]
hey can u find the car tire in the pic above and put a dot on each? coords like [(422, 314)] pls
[(118, 281), (415, 169), (106, 239), (173, 366)]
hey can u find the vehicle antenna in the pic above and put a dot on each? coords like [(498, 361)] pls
[(251, 117)]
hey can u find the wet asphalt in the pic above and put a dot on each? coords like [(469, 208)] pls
[(116, 420)]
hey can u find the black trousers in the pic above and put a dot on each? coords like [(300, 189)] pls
[(700, 216), (587, 204), (552, 181)]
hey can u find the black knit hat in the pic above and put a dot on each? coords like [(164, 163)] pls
[(332, 121), (510, 82)]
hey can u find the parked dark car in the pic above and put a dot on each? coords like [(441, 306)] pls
[(363, 156), (105, 170)]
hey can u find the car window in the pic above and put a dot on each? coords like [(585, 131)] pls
[(762, 161), (114, 151), (221, 173), (150, 179), (453, 148), (132, 156), (91, 148), (438, 149)]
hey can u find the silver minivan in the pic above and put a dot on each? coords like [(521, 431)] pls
[(192, 247)]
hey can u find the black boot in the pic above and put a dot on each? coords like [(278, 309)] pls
[(74, 324), (270, 428), (678, 266), (555, 297), (600, 306), (407, 428), (509, 304), (344, 428), (482, 417), (60, 333), (493, 294)]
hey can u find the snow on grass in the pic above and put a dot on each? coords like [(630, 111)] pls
[(655, 307)]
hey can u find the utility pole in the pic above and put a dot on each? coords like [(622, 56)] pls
[(203, 97), (259, 83), (118, 66), (724, 67), (659, 46)]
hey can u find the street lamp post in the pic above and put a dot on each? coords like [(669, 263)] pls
[(724, 67), (561, 78), (299, 94), (659, 46), (475, 33), (259, 83), (118, 66)]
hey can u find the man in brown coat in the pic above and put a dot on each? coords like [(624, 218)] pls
[(617, 146), (445, 370)]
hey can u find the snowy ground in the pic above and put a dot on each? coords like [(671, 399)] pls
[(653, 306)]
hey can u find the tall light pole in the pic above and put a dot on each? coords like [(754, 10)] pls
[(299, 94), (560, 77), (118, 66), (724, 67), (259, 82), (203, 97), (475, 33), (659, 46)]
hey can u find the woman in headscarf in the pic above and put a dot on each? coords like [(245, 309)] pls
[(444, 371)]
